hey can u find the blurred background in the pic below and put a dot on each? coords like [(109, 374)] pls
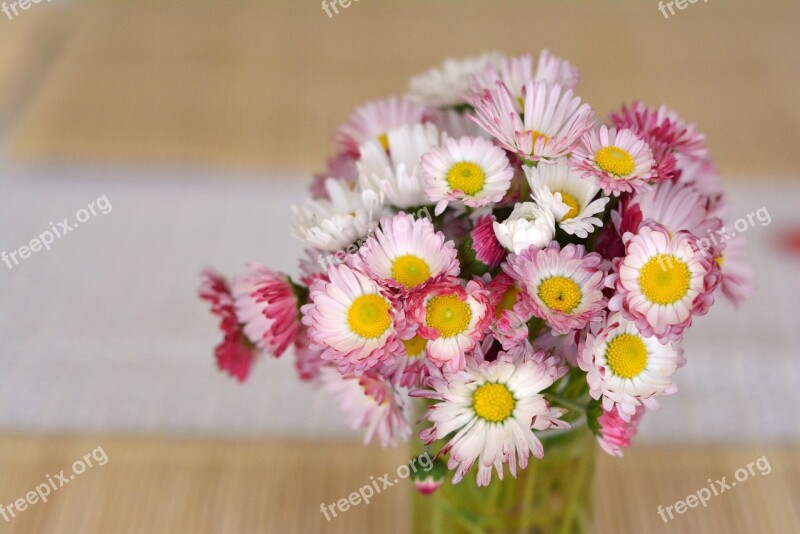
[(200, 123)]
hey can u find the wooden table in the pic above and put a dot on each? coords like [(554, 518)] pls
[(168, 485)]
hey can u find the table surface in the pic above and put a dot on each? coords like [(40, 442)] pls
[(160, 485)]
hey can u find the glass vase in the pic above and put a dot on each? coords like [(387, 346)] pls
[(552, 495)]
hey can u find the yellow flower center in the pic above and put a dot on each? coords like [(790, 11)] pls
[(560, 293), (410, 270), (383, 139), (535, 135), (664, 279), (368, 316), (493, 402), (720, 260), (615, 161), (448, 314), (627, 355), (572, 202), (467, 177), (415, 346), (507, 301)]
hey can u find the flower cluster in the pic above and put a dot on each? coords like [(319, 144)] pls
[(513, 265)]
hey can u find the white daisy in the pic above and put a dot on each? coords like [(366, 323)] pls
[(334, 223), (489, 411), (528, 225), (470, 169), (627, 368), (396, 172), (447, 85), (571, 197)]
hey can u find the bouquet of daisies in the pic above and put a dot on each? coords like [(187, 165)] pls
[(485, 243)]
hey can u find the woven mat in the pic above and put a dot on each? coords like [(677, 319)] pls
[(265, 84), (158, 485)]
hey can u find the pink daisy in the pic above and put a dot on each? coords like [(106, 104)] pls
[(662, 281), (517, 71), (352, 319), (235, 354), (370, 403), (511, 315), (737, 276), (453, 318), (562, 286), (374, 119), (550, 125), (267, 306), (406, 252), (620, 161), (614, 433)]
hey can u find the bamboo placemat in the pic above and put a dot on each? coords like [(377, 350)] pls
[(265, 83), (159, 485)]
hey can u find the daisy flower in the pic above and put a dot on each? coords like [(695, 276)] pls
[(529, 225), (453, 318), (550, 125), (614, 433), (627, 368), (489, 411), (268, 307), (447, 85), (411, 367), (235, 354), (406, 252), (662, 281), (511, 316), (516, 72), (618, 160), (469, 169), (334, 224), (737, 276), (481, 250), (570, 197), (562, 286), (374, 120), (371, 404), (396, 173), (662, 126), (677, 207), (352, 319)]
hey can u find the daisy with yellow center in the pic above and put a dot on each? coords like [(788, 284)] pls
[(352, 318), (547, 125), (406, 252), (626, 368), (490, 410), (619, 161), (572, 199), (662, 281), (453, 318), (374, 120), (562, 286), (469, 169)]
